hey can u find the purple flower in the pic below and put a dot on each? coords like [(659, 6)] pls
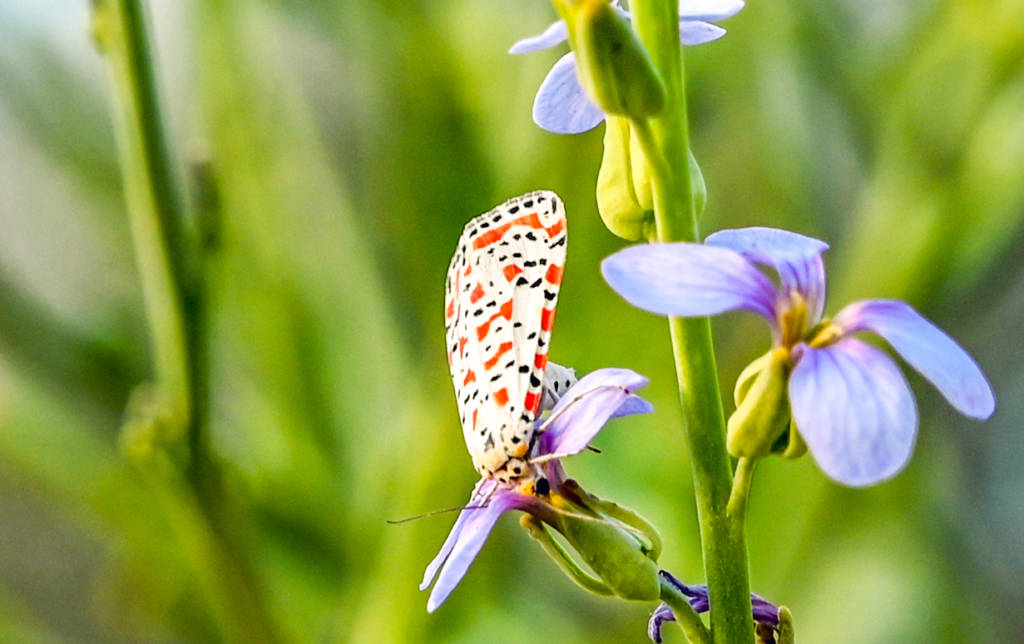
[(848, 400), (574, 421), (562, 106), (764, 611)]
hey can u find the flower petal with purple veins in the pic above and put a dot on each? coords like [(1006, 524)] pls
[(695, 32), (555, 34), (561, 105), (797, 258), (689, 280), (927, 349), (709, 9), (854, 409), (469, 539), (586, 407)]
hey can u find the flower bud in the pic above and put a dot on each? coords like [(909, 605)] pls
[(613, 66), (791, 444), (614, 553), (618, 201), (763, 413)]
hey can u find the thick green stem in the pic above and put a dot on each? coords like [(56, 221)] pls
[(687, 618), (722, 538)]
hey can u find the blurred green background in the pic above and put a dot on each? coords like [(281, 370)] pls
[(349, 142)]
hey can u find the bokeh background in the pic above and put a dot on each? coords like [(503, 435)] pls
[(349, 142)]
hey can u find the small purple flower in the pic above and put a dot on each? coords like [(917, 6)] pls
[(764, 611), (562, 106), (574, 421), (848, 400)]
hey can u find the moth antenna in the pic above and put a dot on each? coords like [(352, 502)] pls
[(436, 512)]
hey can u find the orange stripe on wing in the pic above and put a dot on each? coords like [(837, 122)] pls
[(547, 319), (511, 271), (503, 348), (554, 274), (477, 293), (532, 401), (501, 397), (493, 235)]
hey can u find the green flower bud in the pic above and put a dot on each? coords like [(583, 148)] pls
[(613, 66), (617, 199), (614, 553), (791, 444), (763, 413)]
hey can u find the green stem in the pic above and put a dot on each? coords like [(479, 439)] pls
[(741, 488), (154, 206), (173, 288), (687, 618), (723, 540)]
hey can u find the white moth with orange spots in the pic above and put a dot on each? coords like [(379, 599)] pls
[(500, 299)]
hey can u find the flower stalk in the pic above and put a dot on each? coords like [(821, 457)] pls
[(154, 204), (667, 146), (172, 416)]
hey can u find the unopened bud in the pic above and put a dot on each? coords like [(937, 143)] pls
[(617, 199), (613, 67), (614, 553), (763, 415)]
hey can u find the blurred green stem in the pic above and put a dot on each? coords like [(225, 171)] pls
[(171, 266), (666, 145), (153, 200)]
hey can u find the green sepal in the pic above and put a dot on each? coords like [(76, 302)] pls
[(786, 632), (763, 415), (564, 560), (613, 66), (791, 444), (747, 377), (617, 200)]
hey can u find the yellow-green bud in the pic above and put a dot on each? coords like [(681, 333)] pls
[(615, 555), (613, 67), (763, 414), (617, 199), (747, 377), (791, 444)]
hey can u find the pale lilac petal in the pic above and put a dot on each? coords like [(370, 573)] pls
[(927, 349), (555, 34), (480, 492), (709, 9), (797, 259), (695, 32), (689, 280), (854, 409), (633, 405), (584, 409), (561, 105), (470, 539)]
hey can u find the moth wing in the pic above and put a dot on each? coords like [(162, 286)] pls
[(502, 289)]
